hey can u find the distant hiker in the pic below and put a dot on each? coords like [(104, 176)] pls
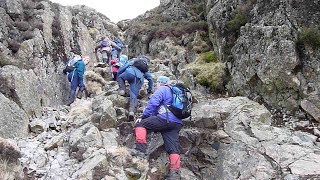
[(116, 64), (158, 117), (114, 54), (105, 48), (75, 69), (134, 72), (119, 43)]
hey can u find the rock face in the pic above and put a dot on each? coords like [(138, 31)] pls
[(264, 46), (174, 31), (226, 138), (36, 39), (13, 120)]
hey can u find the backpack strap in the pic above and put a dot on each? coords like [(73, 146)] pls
[(165, 106)]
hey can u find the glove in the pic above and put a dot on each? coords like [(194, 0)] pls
[(138, 120), (64, 71)]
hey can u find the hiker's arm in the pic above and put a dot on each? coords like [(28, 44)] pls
[(148, 76), (67, 70), (153, 104), (113, 44)]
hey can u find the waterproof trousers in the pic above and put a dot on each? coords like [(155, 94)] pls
[(170, 135), (75, 81), (135, 85)]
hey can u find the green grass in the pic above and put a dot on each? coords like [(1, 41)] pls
[(238, 19), (310, 37), (209, 57), (208, 71)]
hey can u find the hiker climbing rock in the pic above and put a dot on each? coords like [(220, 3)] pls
[(105, 48), (116, 64), (75, 70), (157, 117), (134, 72), (119, 43)]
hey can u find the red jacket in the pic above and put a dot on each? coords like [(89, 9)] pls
[(113, 63)]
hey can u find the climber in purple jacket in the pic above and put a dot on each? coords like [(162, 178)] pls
[(157, 118)]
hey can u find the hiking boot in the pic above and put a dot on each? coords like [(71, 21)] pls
[(173, 175), (121, 92), (131, 116)]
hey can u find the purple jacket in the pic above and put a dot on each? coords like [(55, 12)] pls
[(162, 96)]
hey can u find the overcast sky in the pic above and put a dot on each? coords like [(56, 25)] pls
[(115, 10)]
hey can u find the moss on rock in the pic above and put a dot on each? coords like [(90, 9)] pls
[(208, 71)]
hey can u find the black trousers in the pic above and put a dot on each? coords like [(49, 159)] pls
[(169, 131)]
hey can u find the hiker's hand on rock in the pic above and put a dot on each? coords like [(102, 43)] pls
[(138, 120)]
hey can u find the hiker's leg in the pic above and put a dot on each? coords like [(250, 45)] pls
[(73, 88), (70, 76), (172, 145), (81, 88), (151, 123), (121, 81), (114, 76), (72, 97), (135, 86), (104, 56), (141, 139), (109, 57)]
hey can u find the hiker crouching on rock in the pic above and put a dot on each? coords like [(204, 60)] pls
[(75, 69), (157, 118), (134, 72)]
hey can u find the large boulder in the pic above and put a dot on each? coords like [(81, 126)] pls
[(13, 120)]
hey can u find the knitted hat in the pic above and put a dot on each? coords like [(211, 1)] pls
[(163, 79)]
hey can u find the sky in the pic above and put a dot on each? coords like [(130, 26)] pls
[(115, 10)]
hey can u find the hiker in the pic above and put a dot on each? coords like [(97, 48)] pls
[(134, 72), (75, 69), (157, 118), (114, 54), (119, 43), (105, 48), (116, 64)]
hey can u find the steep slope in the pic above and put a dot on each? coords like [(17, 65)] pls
[(271, 48), (36, 39)]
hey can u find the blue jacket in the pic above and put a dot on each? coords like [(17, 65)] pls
[(80, 68), (136, 72), (155, 107)]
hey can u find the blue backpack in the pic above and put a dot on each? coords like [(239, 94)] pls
[(181, 101)]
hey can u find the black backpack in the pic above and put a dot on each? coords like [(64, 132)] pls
[(181, 101), (142, 64)]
